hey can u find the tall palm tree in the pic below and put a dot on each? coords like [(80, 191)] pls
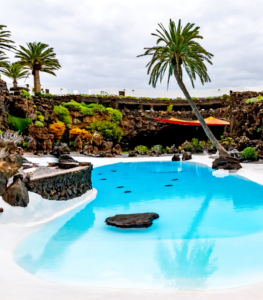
[(14, 71), (181, 50), (38, 57), (5, 42)]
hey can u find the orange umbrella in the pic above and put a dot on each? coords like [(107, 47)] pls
[(211, 121)]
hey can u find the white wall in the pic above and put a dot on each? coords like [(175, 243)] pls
[(52, 89), (173, 94)]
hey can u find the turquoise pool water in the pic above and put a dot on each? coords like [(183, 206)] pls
[(209, 234)]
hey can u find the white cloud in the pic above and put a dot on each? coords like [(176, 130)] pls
[(97, 41)]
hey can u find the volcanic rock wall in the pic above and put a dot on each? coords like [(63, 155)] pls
[(246, 119)]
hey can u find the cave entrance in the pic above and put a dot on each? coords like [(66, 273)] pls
[(173, 134)]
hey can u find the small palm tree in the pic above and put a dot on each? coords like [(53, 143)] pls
[(38, 57), (4, 40), (181, 50), (14, 71)]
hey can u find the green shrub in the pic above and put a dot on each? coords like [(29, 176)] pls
[(85, 95), (71, 144), (259, 129), (225, 97), (249, 153), (39, 124), (25, 145), (188, 148), (208, 98), (40, 117), (248, 101), (163, 99), (194, 98), (86, 111), (157, 148), (195, 142), (132, 97), (169, 108), (116, 115), (81, 107), (100, 96), (38, 94), (179, 98), (47, 95), (62, 113), (141, 149), (110, 131), (25, 94), (145, 98), (19, 124), (94, 106)]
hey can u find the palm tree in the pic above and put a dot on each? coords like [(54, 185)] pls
[(14, 71), (181, 50), (38, 57), (3, 61), (4, 40)]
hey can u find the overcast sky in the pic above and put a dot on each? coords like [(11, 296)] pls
[(97, 41)]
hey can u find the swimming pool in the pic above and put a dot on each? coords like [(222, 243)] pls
[(209, 234)]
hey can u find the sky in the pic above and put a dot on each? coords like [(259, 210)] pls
[(97, 42)]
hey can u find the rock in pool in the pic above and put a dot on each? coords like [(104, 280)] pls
[(132, 220)]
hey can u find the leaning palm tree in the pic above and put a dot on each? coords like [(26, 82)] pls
[(5, 42), (14, 71), (181, 50), (38, 57)]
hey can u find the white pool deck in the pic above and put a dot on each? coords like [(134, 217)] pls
[(16, 223)]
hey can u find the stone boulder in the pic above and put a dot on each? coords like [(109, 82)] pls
[(9, 145), (132, 220), (17, 194), (60, 150), (49, 145), (1, 210), (176, 157), (106, 146), (87, 149), (10, 164), (32, 145), (132, 154), (226, 162), (96, 139), (78, 144), (117, 149), (67, 162), (187, 156)]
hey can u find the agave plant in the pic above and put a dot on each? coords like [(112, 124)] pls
[(12, 136)]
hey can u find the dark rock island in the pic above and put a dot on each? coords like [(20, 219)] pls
[(132, 220)]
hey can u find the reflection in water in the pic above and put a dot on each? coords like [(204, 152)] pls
[(187, 263), (57, 246)]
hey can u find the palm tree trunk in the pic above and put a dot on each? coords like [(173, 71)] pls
[(207, 130), (37, 81)]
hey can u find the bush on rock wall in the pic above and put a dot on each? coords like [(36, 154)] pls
[(110, 131), (63, 114), (19, 124), (75, 131), (116, 115), (57, 129)]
